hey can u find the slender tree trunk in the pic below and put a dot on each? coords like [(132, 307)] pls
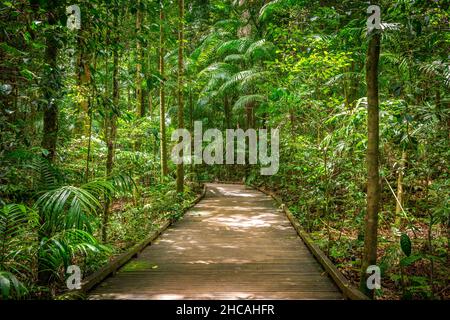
[(162, 107), (139, 96), (180, 166), (88, 155), (50, 134), (191, 125), (83, 79), (373, 183), (399, 202), (150, 103), (111, 128), (89, 131)]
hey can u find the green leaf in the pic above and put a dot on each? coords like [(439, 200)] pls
[(405, 244), (407, 261), (27, 74)]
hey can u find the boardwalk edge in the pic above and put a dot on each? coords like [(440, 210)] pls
[(111, 268), (349, 291)]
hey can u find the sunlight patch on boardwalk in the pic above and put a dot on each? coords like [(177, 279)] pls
[(234, 244)]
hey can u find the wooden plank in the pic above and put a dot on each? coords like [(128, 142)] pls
[(342, 282), (94, 279), (234, 244)]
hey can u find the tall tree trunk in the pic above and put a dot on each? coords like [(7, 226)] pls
[(150, 103), (83, 81), (89, 132), (191, 126), (373, 183), (180, 166), (162, 107), (50, 134), (139, 96), (111, 127), (88, 155)]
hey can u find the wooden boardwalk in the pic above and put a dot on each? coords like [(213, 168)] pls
[(234, 244)]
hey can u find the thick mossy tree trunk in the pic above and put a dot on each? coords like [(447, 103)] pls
[(162, 106), (180, 166), (373, 183)]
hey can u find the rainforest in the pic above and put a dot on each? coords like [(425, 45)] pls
[(350, 198)]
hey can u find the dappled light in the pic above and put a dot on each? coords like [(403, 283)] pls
[(223, 249), (211, 149)]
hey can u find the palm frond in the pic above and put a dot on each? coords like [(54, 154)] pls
[(234, 58), (219, 69), (228, 25), (271, 7), (61, 249), (259, 50), (48, 176), (10, 287), (244, 101), (234, 46), (251, 79), (122, 183), (15, 220), (244, 79), (68, 206)]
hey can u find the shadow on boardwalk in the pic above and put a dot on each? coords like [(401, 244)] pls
[(234, 244)]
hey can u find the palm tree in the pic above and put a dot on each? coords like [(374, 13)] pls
[(234, 72)]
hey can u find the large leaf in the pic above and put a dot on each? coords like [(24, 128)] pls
[(405, 244), (407, 261)]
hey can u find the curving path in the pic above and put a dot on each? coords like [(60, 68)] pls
[(234, 244)]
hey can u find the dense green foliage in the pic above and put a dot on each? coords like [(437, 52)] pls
[(81, 138)]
